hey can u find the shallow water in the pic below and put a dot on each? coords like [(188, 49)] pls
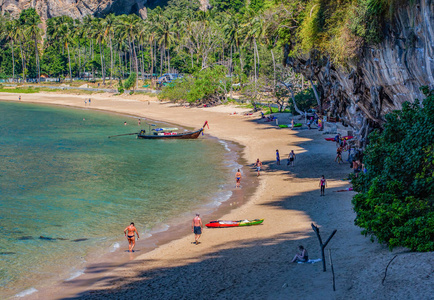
[(62, 179)]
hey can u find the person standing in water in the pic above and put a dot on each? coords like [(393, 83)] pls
[(258, 165), (322, 184), (131, 230), (196, 227), (238, 178)]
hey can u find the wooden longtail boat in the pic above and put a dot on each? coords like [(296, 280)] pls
[(221, 224), (169, 134)]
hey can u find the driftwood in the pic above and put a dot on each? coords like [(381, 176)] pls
[(333, 270), (385, 271), (322, 245)]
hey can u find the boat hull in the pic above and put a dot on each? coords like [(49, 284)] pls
[(186, 135)]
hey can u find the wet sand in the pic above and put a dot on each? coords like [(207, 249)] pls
[(254, 261)]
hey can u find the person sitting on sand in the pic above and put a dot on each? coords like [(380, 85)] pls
[(301, 256), (131, 238)]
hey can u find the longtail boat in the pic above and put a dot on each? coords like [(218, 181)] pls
[(170, 133), (221, 224)]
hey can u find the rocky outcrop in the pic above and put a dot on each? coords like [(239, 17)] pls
[(386, 75), (76, 8)]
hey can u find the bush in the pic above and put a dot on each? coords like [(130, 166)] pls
[(131, 81), (395, 200)]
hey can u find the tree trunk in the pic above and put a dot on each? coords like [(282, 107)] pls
[(69, 61), (23, 59), (37, 60), (143, 65), (316, 95), (102, 63), (111, 60), (13, 62), (136, 65), (293, 97)]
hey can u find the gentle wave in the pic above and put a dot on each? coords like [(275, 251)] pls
[(114, 247), (26, 292), (76, 274), (226, 145)]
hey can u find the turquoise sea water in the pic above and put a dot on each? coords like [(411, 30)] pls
[(62, 178)]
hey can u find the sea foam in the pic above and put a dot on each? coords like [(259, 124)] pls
[(114, 247), (26, 292), (76, 274)]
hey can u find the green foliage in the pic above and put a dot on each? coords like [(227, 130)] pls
[(338, 28), (20, 90), (131, 81), (203, 86), (120, 87), (305, 100), (395, 202), (226, 5)]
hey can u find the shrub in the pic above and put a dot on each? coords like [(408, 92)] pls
[(395, 200), (131, 81)]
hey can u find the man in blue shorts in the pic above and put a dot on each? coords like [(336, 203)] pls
[(196, 227)]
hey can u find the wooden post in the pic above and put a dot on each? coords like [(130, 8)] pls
[(316, 229), (333, 270)]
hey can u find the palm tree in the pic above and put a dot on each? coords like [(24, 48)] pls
[(109, 25), (64, 32), (166, 37), (32, 21), (11, 35)]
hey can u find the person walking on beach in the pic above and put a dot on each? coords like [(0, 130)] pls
[(291, 158), (238, 178), (302, 256), (322, 184), (196, 227), (129, 233), (89, 101), (19, 98), (339, 155), (258, 165), (277, 157)]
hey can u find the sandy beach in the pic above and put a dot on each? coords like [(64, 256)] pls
[(254, 261)]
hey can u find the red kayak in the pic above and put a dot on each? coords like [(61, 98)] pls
[(348, 137), (220, 223)]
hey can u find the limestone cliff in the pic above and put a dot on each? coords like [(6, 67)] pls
[(385, 76), (80, 8)]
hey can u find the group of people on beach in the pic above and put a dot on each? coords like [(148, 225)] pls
[(86, 101), (131, 232), (291, 158)]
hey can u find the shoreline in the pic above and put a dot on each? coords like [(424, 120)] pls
[(254, 261), (165, 232)]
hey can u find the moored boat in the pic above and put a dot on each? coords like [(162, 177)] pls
[(170, 133), (222, 224)]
